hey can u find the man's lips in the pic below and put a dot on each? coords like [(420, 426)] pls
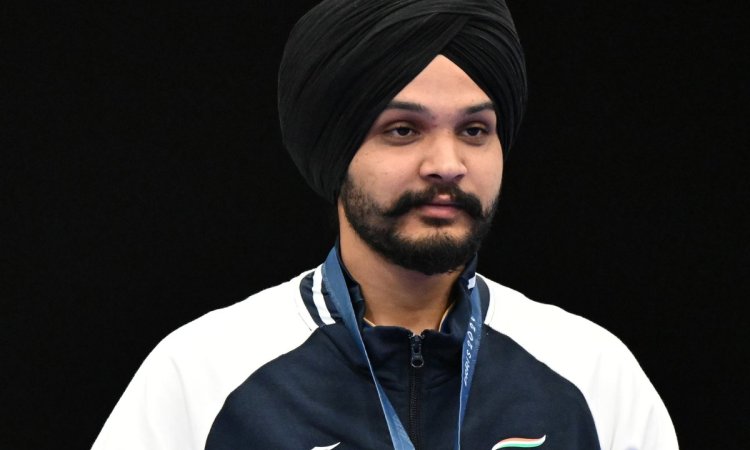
[(439, 202), (440, 210)]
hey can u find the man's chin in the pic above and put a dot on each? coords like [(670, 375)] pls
[(431, 254), (418, 225), (435, 230)]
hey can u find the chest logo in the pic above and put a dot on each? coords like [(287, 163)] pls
[(516, 442), (328, 447)]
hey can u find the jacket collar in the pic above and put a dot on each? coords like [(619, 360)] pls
[(457, 314)]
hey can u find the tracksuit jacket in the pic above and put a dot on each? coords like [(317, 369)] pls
[(280, 371)]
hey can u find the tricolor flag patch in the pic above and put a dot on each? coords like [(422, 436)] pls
[(517, 442)]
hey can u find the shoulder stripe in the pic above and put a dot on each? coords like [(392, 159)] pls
[(484, 296), (319, 299), (306, 305), (330, 305)]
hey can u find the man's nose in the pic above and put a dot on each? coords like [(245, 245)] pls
[(443, 160)]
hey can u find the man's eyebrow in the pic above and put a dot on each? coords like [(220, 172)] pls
[(408, 106), (480, 107), (418, 107)]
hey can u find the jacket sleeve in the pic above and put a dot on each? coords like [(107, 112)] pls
[(174, 398), (152, 413), (637, 419), (627, 410)]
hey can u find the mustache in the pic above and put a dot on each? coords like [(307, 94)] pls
[(468, 202)]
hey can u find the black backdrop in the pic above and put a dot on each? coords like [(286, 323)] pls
[(144, 184)]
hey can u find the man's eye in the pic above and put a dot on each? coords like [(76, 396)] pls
[(401, 131), (475, 131), (401, 134)]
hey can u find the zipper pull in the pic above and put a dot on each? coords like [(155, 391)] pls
[(417, 360)]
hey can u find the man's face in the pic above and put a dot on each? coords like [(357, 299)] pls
[(423, 186)]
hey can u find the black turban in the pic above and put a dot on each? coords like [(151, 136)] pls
[(345, 60)]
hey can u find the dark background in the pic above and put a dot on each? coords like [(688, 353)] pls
[(144, 184)]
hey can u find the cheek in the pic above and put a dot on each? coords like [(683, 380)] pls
[(378, 170), (370, 174), (488, 177), (377, 178)]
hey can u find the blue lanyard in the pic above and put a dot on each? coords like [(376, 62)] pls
[(333, 278)]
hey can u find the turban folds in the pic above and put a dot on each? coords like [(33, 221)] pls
[(345, 60)]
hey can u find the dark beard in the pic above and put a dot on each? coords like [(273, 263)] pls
[(437, 254)]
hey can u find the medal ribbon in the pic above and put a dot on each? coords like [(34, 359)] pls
[(333, 278)]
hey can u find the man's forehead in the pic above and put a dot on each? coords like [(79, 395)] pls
[(441, 87)]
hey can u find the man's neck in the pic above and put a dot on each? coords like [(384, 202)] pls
[(394, 295)]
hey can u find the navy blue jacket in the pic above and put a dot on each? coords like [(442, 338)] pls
[(280, 370)]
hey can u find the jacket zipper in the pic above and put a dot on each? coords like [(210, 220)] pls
[(415, 387)]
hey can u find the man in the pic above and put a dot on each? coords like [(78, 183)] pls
[(401, 113)]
